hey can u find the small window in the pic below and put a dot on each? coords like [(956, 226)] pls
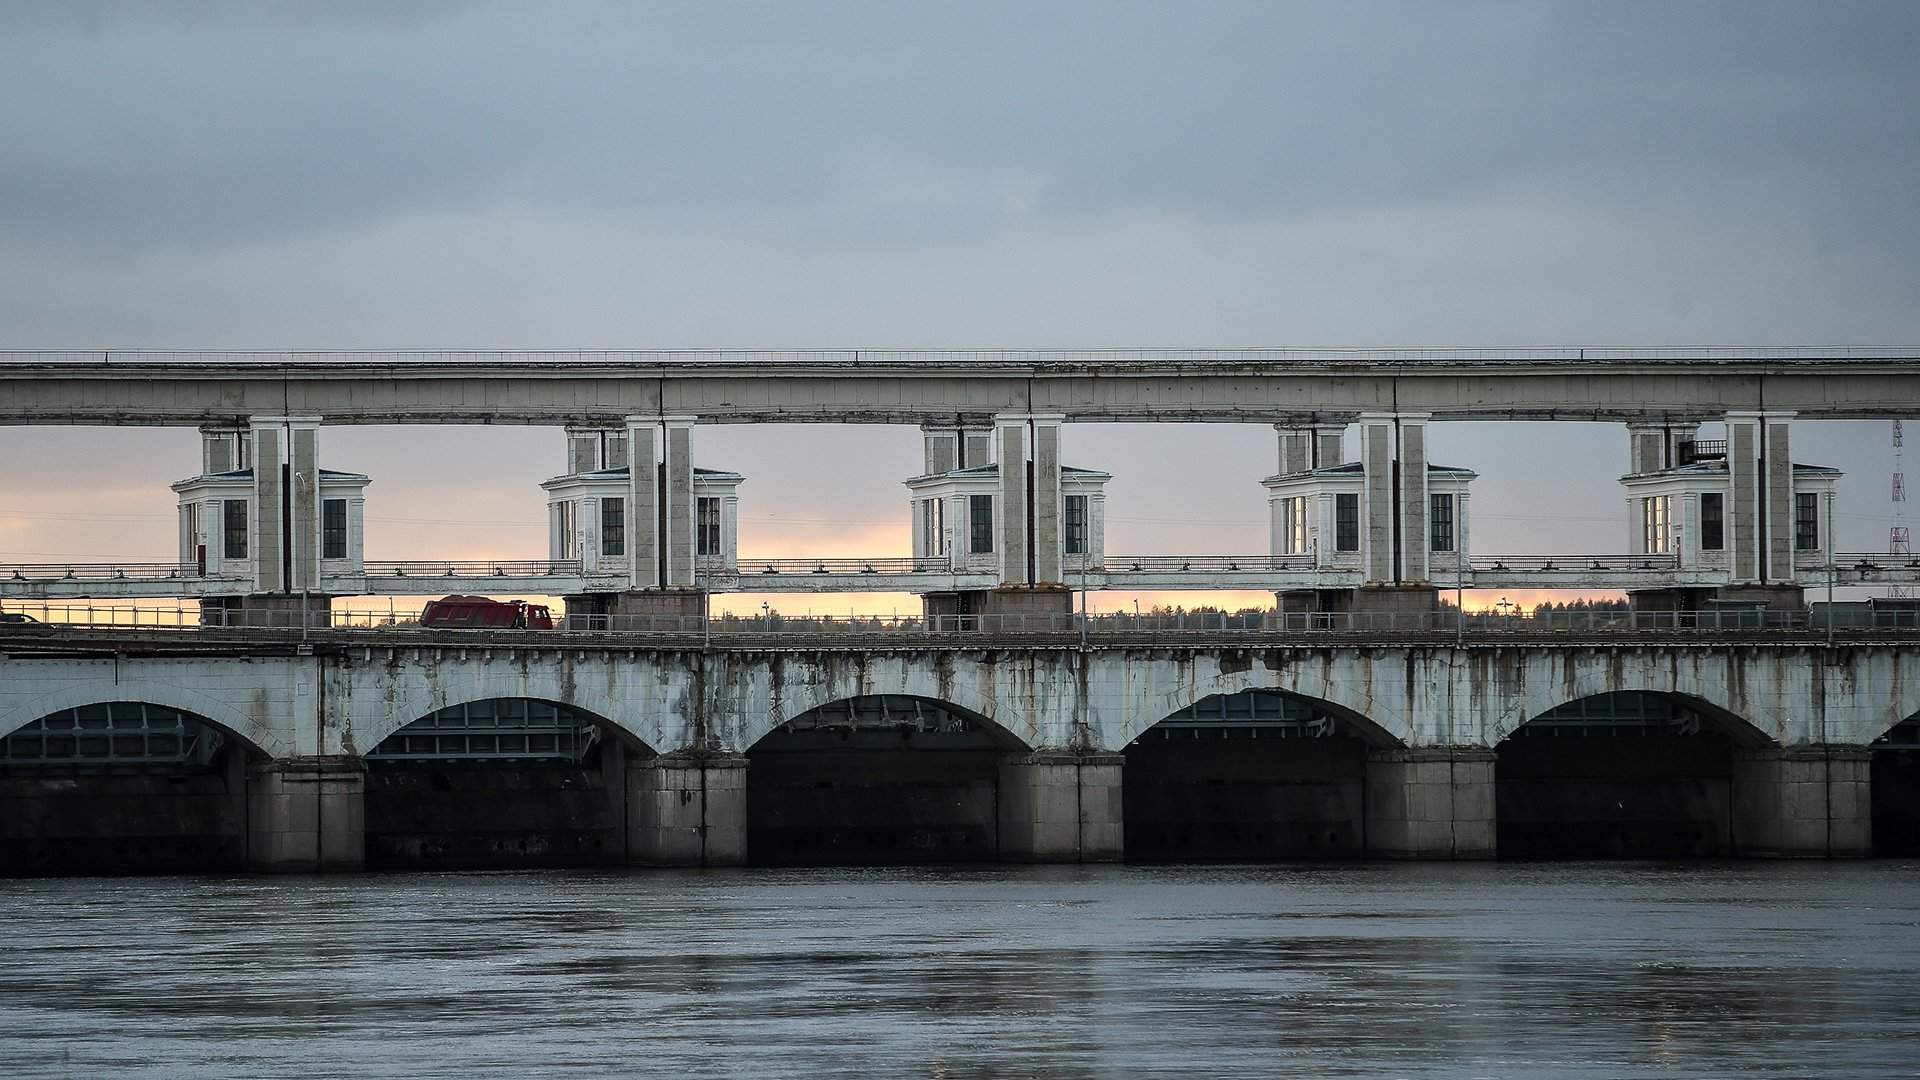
[(1293, 525), (980, 523), (1346, 522), (1440, 518), (707, 517), (1713, 521), (613, 526), (934, 515), (1076, 507), (234, 542), (333, 528), (1656, 521), (563, 530), (1806, 521)]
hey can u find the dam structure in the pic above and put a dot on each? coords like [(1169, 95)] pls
[(1721, 712)]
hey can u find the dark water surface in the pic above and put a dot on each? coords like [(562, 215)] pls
[(1490, 970)]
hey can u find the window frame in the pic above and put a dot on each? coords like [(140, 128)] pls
[(1713, 523), (1806, 521), (234, 528), (708, 527), (1076, 527), (1438, 519), (333, 534), (613, 526), (980, 524), (1346, 521)]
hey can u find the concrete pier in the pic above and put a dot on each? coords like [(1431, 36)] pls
[(687, 810), (1061, 807), (307, 815)]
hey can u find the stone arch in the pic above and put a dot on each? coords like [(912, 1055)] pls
[(627, 737), (410, 691), (255, 732), (1012, 740), (949, 693), (1376, 722), (1587, 684)]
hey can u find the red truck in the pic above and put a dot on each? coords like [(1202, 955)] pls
[(480, 613)]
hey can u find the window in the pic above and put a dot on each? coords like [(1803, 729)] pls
[(707, 518), (580, 453), (1293, 525), (234, 544), (1076, 507), (1713, 521), (1346, 522), (613, 526), (934, 513), (563, 530), (979, 523), (1806, 521), (1440, 522), (333, 528), (1656, 520)]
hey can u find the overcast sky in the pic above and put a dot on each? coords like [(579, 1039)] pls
[(208, 174)]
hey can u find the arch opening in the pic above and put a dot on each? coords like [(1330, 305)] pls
[(500, 783), (1627, 774), (123, 787), (1258, 774), (878, 779), (1894, 776)]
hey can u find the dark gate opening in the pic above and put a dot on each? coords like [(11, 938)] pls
[(500, 783), (1895, 777), (873, 781), (1247, 776), (1622, 775)]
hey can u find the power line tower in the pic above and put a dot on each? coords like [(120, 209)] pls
[(1897, 543)]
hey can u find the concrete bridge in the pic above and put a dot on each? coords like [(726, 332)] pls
[(358, 747)]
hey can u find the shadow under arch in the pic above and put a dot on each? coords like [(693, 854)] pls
[(1378, 722), (1894, 777), (496, 782), (139, 787), (253, 731), (877, 779), (1623, 773), (1260, 773)]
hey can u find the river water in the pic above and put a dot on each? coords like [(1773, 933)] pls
[(1369, 969)]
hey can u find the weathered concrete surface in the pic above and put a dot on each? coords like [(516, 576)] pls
[(307, 815), (1804, 801), (1430, 803), (1062, 807), (687, 810)]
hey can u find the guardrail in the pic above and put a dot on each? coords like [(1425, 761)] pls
[(1119, 626), (1546, 564), (499, 568), (838, 565), (1161, 564), (113, 571)]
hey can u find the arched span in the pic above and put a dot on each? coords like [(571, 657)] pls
[(1379, 723), (956, 694), (250, 730), (1725, 722), (1573, 676), (1242, 707), (411, 699), (908, 714), (632, 741)]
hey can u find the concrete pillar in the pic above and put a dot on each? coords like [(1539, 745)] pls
[(1803, 802), (660, 525), (1430, 804), (285, 525), (1028, 533), (1760, 496), (307, 815), (1061, 806), (1393, 459), (687, 810)]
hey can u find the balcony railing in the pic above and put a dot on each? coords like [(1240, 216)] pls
[(839, 565), (1201, 564), (1548, 564), (498, 568), (1701, 450)]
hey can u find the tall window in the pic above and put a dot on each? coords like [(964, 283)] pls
[(563, 530), (706, 518), (333, 528), (233, 544), (1656, 524), (1293, 525), (1346, 522), (979, 523), (934, 515), (1713, 521), (1076, 507), (613, 526), (1806, 521), (1440, 520)]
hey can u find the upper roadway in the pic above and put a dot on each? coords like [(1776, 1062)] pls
[(149, 388)]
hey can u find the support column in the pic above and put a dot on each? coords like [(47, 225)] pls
[(1013, 529), (1760, 497), (307, 815), (1061, 806), (1803, 802), (660, 525), (687, 810), (1028, 533), (1430, 804), (286, 504), (1393, 459)]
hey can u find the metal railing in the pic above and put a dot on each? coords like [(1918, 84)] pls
[(1547, 564), (840, 565), (474, 568), (1163, 564), (1062, 627), (1875, 561), (111, 571)]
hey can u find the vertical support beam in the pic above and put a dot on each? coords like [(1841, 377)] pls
[(1013, 528), (1049, 542), (643, 503), (1777, 461), (1760, 496), (1415, 536), (680, 537), (303, 494), (266, 517), (1376, 496), (285, 523)]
